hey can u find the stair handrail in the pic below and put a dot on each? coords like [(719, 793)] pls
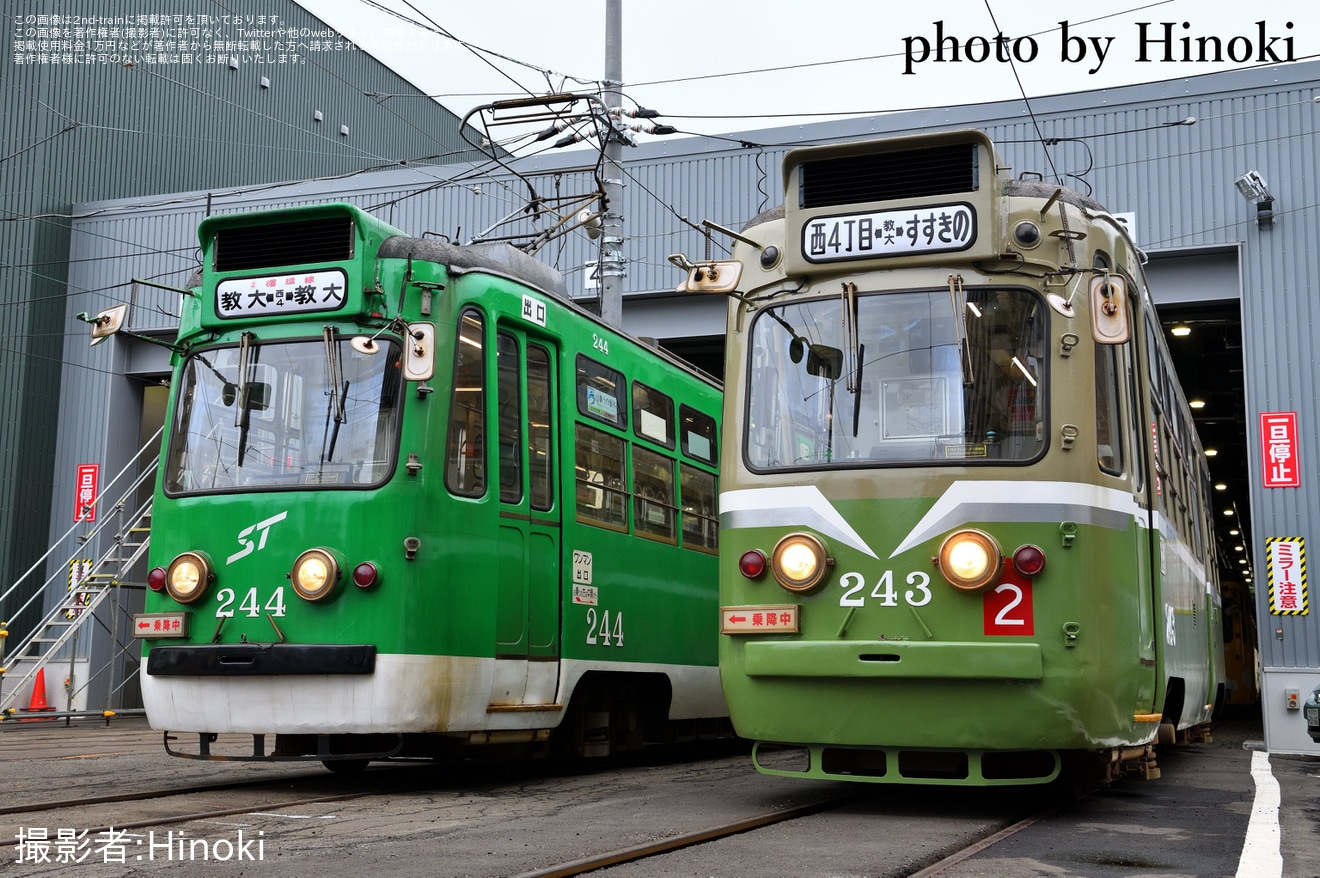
[(133, 486), (85, 612), (107, 556)]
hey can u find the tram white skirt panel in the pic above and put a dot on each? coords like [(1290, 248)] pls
[(406, 693)]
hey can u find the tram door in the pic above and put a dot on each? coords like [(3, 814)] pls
[(1147, 491), (527, 613)]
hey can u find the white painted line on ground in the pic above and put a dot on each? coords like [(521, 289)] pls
[(1260, 851)]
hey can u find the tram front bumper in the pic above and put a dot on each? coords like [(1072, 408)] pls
[(894, 659), (255, 660)]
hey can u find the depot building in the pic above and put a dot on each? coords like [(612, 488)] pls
[(1215, 175)]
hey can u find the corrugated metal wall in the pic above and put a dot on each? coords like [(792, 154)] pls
[(83, 124), (1122, 146)]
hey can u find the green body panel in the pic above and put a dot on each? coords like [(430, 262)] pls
[(918, 661), (1119, 631), (490, 580), (930, 676)]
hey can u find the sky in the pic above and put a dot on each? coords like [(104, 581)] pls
[(712, 66)]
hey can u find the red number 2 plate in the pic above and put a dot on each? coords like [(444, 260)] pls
[(1008, 607)]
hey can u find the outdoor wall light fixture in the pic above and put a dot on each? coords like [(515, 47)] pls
[(1253, 188)]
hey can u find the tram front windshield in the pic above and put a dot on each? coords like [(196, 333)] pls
[(930, 377), (280, 415)]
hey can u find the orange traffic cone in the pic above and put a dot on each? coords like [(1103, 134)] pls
[(38, 703)]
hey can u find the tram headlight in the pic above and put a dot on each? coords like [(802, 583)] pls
[(970, 559), (1026, 234), (799, 562), (315, 574), (187, 577)]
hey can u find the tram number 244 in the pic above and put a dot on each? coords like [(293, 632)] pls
[(250, 605), (604, 629)]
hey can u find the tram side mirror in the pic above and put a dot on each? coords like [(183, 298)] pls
[(419, 362), (1109, 309), (708, 277), (824, 361), (107, 323)]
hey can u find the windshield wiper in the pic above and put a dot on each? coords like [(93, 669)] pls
[(241, 418), (857, 394), (337, 397), (959, 300)]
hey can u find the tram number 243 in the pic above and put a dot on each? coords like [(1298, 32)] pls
[(1007, 608)]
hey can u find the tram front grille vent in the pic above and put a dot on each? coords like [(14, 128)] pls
[(267, 246), (888, 176)]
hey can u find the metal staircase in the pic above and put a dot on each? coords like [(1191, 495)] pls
[(55, 638)]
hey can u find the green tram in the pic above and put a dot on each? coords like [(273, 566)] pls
[(965, 523), (412, 498)]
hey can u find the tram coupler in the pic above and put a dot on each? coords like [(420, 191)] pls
[(1139, 761)]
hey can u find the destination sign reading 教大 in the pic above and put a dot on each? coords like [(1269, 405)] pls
[(281, 294), (929, 229)]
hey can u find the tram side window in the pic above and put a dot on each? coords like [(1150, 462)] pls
[(598, 391), (1108, 417), (1196, 514), (539, 438), (602, 496), (1154, 363), (1177, 464), (508, 402), (653, 415), (1137, 428), (653, 495), (698, 430), (701, 528), (1162, 454), (465, 466)]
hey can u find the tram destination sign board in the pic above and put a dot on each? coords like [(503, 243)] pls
[(280, 294), (941, 228)]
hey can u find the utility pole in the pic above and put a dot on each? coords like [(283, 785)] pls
[(611, 264)]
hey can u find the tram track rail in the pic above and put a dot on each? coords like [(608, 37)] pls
[(278, 793), (568, 869), (377, 788), (637, 853), (678, 842), (480, 813), (141, 795), (221, 812)]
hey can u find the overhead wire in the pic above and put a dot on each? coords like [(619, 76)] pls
[(476, 50), (810, 64), (76, 123), (480, 52), (1025, 100)]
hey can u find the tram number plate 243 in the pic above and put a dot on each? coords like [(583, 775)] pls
[(1007, 607)]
